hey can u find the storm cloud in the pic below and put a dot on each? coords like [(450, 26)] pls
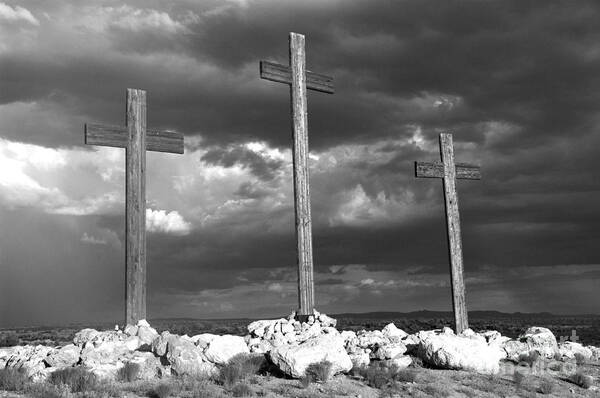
[(517, 83)]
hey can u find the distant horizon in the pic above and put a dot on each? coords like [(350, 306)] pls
[(392, 313)]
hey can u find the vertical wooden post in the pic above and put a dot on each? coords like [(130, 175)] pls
[(135, 213), (301, 175), (454, 237)]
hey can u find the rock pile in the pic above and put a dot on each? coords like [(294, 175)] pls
[(290, 345)]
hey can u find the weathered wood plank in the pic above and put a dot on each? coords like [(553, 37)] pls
[(135, 213), (436, 170), (454, 236), (116, 136), (283, 74), (301, 175)]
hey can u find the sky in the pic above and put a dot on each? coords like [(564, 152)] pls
[(516, 83)]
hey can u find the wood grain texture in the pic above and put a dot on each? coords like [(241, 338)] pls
[(116, 136), (436, 170), (454, 235), (135, 213), (283, 74), (301, 175)]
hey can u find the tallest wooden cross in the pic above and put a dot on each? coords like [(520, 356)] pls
[(136, 141), (299, 80)]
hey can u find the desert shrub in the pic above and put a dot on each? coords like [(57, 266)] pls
[(240, 367), (580, 359), (518, 378), (377, 375), (319, 371), (163, 390), (129, 372), (43, 390), (8, 339), (12, 379), (78, 379), (529, 358), (435, 391), (546, 386), (582, 380), (242, 390), (406, 376), (207, 390)]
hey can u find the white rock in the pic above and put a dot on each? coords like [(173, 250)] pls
[(293, 360), (161, 343), (360, 359), (222, 348), (130, 330), (390, 330), (258, 328), (31, 359), (568, 349), (143, 323), (64, 357), (325, 321), (150, 366), (541, 340), (449, 351), (184, 357), (287, 328), (370, 339), (202, 340), (514, 349), (147, 335), (107, 352), (349, 337), (447, 330), (85, 335), (106, 371), (5, 354), (390, 351)]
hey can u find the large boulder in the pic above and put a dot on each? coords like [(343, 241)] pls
[(514, 349), (30, 359), (569, 349), (399, 362), (146, 334), (541, 340), (5, 354), (222, 348), (294, 359), (160, 344), (150, 365), (184, 357), (391, 331), (64, 357), (449, 351)]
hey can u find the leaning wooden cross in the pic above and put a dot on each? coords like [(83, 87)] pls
[(299, 80), (136, 141), (449, 172)]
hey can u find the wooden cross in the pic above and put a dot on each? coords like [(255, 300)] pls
[(449, 172), (136, 140), (299, 80)]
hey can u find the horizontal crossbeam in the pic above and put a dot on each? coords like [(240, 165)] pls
[(436, 170), (116, 136), (283, 74)]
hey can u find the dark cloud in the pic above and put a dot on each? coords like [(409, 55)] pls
[(264, 169), (517, 83)]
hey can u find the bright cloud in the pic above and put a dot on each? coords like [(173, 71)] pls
[(17, 13), (85, 238), (171, 223)]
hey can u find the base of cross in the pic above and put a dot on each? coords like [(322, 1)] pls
[(302, 318)]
